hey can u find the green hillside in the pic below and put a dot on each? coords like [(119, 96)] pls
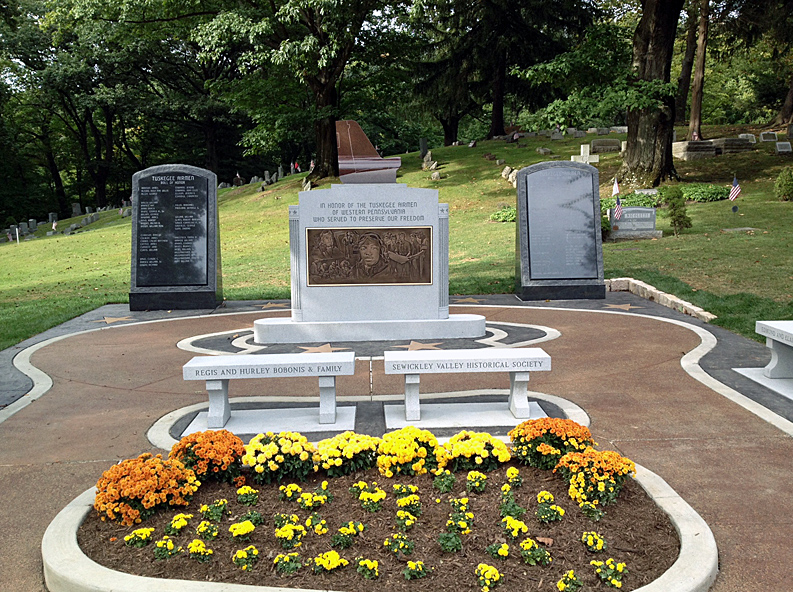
[(740, 276)]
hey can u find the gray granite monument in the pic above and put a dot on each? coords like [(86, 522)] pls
[(559, 253), (175, 239), (369, 263)]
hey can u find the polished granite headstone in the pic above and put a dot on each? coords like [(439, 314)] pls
[(369, 262), (634, 223), (559, 252), (175, 239)]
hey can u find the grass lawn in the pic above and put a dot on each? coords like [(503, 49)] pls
[(740, 276)]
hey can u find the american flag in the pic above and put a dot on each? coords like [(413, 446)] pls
[(618, 210), (736, 189)]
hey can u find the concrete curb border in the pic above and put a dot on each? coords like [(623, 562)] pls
[(67, 569)]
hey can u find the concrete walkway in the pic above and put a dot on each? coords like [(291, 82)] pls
[(658, 386)]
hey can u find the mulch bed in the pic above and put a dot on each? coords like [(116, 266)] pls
[(636, 531)]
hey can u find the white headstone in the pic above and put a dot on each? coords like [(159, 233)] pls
[(751, 137), (768, 137), (783, 148)]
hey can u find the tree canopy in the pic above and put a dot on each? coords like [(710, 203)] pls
[(94, 90)]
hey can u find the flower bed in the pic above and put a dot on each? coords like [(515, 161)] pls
[(635, 532)]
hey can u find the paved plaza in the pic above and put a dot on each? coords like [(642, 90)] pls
[(658, 386)]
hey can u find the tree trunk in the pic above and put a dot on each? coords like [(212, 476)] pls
[(695, 122), (499, 83), (64, 211), (648, 159), (211, 161), (327, 161), (450, 126), (684, 81), (785, 114)]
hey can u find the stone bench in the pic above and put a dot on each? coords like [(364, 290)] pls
[(779, 339), (218, 370), (518, 362)]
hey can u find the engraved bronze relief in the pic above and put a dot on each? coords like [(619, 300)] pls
[(354, 256)]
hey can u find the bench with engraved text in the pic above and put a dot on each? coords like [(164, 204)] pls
[(218, 370), (779, 339), (519, 362)]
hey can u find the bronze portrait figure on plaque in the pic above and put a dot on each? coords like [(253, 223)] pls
[(352, 256)]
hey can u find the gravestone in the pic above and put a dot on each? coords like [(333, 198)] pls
[(768, 137), (571, 130), (175, 239), (369, 262), (635, 223), (751, 137), (603, 131), (559, 253), (624, 146), (53, 217), (472, 144), (89, 210), (604, 145), (267, 177), (579, 134), (557, 136), (781, 148), (789, 132), (280, 172), (693, 150), (543, 151), (619, 129), (76, 210), (531, 134), (24, 228), (592, 130), (423, 147), (32, 222), (731, 145), (585, 157)]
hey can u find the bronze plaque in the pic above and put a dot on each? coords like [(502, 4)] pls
[(356, 256)]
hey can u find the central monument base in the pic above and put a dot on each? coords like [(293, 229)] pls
[(284, 330)]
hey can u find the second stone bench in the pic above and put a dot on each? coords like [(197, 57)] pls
[(519, 362)]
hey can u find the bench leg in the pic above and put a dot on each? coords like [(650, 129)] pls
[(327, 399), (518, 394), (781, 364), (412, 410), (219, 408)]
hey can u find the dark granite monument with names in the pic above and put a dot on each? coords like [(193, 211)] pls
[(175, 239), (558, 238)]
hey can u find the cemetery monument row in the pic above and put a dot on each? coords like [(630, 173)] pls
[(558, 238), (175, 239)]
